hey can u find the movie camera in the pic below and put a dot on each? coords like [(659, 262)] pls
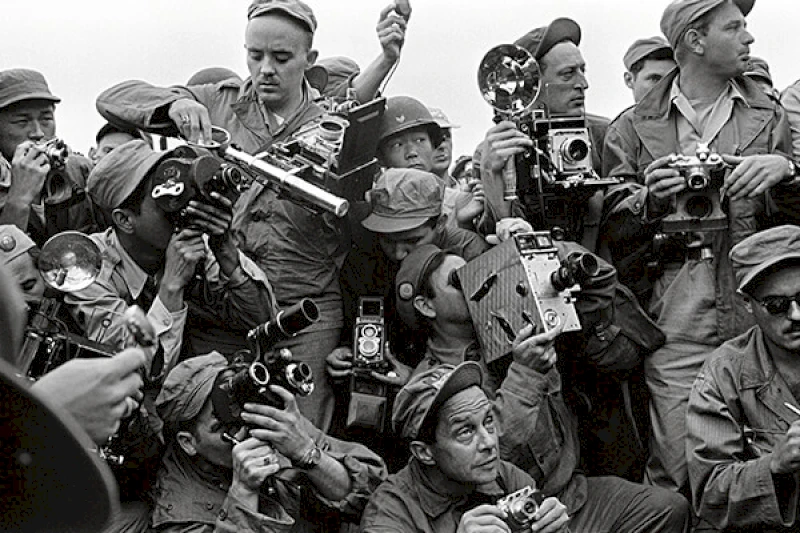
[(327, 164), (699, 206), (520, 508), (368, 396), (523, 281), (248, 377)]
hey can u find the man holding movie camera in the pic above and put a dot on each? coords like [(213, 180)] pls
[(273, 472), (41, 181), (537, 431), (712, 151), (300, 252)]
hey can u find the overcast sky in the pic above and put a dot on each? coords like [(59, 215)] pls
[(85, 46)]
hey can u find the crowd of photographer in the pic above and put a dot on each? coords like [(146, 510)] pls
[(275, 304)]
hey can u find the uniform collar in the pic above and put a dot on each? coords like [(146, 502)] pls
[(133, 275), (435, 501)]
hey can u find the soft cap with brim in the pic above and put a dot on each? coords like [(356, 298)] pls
[(188, 386), (680, 14), (295, 9), (118, 174), (539, 41), (764, 250), (642, 48), (19, 84), (403, 199), (409, 278), (426, 392)]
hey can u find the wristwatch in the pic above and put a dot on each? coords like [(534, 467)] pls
[(310, 459), (793, 172)]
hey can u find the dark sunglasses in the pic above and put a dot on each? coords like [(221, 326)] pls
[(778, 305)]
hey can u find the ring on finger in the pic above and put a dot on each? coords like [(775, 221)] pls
[(185, 119)]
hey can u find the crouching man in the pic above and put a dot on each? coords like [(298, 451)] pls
[(455, 476), (283, 474)]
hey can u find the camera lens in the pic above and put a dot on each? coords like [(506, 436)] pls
[(697, 179), (331, 130), (574, 150)]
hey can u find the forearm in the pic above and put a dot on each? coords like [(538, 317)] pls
[(331, 478), (246, 296), (368, 82), (140, 104), (17, 212)]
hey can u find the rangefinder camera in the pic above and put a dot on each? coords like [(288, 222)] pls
[(369, 335), (520, 282), (56, 151), (520, 508), (698, 207)]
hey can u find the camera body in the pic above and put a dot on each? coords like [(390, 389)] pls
[(370, 335), (519, 282), (698, 207), (244, 382), (568, 147), (56, 151), (191, 172), (520, 508), (335, 152), (368, 397)]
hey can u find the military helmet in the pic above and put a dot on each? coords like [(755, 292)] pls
[(403, 113)]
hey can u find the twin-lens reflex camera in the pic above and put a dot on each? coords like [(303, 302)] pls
[(368, 396), (523, 281)]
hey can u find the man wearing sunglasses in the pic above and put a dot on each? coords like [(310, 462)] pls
[(743, 419)]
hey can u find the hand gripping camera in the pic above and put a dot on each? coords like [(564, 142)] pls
[(58, 188), (248, 377), (520, 508), (519, 282), (698, 207), (368, 397), (510, 80)]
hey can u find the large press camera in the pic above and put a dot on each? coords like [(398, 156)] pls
[(558, 170), (248, 377), (327, 164), (699, 206), (368, 396), (520, 508), (519, 282)]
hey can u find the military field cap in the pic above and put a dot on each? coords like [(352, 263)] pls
[(641, 48), (13, 242), (441, 119), (763, 250), (759, 68), (332, 71), (680, 14), (539, 41), (212, 75), (18, 84), (188, 386), (409, 279), (425, 393), (118, 174), (293, 8), (403, 199)]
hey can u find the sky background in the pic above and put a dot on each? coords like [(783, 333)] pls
[(85, 46)]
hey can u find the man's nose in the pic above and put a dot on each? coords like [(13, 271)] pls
[(581, 81), (36, 133), (794, 311)]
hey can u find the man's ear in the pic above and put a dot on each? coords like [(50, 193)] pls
[(187, 443), (629, 79), (422, 452), (123, 220), (422, 305), (311, 57), (694, 40), (748, 303)]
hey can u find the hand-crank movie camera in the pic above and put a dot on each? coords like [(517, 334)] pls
[(519, 282), (699, 206)]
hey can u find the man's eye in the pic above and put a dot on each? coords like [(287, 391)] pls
[(256, 56), (28, 285)]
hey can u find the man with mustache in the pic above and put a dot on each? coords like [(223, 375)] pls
[(706, 100), (742, 423)]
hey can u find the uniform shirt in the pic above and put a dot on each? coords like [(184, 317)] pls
[(242, 302), (188, 499), (736, 416), (412, 501)]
